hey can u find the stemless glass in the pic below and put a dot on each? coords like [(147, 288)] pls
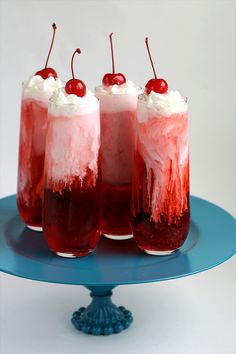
[(34, 116), (160, 207), (71, 205), (118, 116)]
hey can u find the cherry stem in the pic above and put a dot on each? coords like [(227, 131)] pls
[(54, 27), (112, 54), (150, 57), (78, 51)]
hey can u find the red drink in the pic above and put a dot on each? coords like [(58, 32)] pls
[(72, 229), (71, 211), (34, 115), (116, 201), (161, 179), (118, 120)]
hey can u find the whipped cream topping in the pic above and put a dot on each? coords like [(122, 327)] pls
[(40, 89), (68, 105), (126, 88), (157, 104), (118, 98)]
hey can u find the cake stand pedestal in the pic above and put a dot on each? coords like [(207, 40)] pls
[(24, 253)]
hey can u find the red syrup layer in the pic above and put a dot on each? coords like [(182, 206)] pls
[(171, 228), (31, 161), (161, 184), (116, 209), (71, 215), (162, 235)]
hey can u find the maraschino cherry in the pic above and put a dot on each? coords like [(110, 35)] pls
[(48, 72), (114, 78), (75, 86), (156, 85)]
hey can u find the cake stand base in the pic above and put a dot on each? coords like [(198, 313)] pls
[(101, 317)]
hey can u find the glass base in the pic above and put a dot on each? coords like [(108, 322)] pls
[(71, 255), (118, 237), (65, 255), (159, 253), (35, 228)]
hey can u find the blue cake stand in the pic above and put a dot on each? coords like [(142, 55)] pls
[(211, 241)]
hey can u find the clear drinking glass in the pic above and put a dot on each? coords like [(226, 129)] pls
[(118, 116), (34, 116), (71, 207), (160, 207)]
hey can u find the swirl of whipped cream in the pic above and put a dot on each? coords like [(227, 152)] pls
[(156, 104), (126, 88), (63, 104), (40, 89)]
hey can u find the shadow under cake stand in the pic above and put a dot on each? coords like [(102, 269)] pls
[(24, 253)]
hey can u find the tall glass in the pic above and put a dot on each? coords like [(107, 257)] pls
[(160, 207), (71, 207), (34, 116), (118, 115)]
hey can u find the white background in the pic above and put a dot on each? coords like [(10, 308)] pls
[(194, 48)]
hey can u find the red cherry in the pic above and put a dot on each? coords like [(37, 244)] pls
[(113, 79), (156, 85), (48, 72), (75, 86)]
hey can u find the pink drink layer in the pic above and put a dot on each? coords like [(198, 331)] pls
[(71, 213), (161, 183), (117, 150), (31, 160), (72, 150)]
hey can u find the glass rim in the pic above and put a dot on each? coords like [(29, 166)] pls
[(138, 91), (25, 81), (181, 100), (51, 101)]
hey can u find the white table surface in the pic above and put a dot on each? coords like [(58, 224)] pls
[(191, 315)]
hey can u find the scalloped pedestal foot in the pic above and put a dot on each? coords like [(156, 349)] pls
[(101, 317)]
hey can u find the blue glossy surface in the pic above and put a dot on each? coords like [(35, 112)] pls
[(211, 241), (102, 317)]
